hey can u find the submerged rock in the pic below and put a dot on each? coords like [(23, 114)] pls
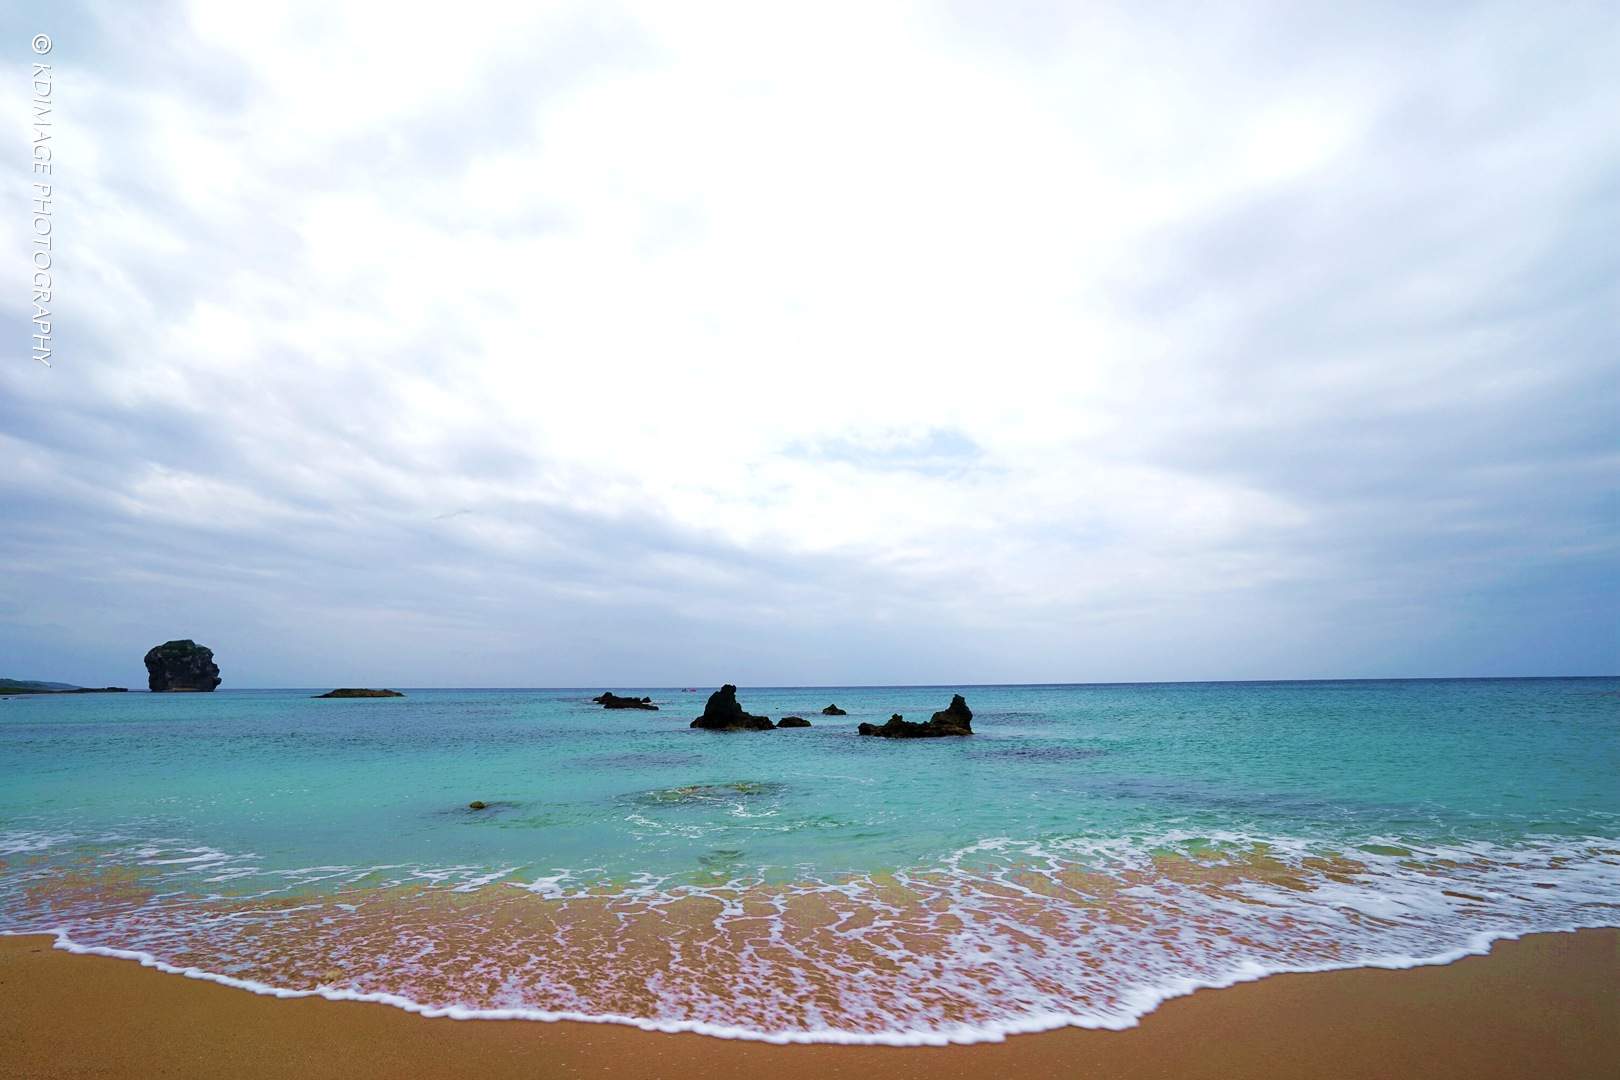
[(181, 665), (477, 805), (793, 721), (708, 792), (353, 691), (955, 719), (610, 700), (722, 713), (833, 710)]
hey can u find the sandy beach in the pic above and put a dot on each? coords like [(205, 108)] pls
[(1545, 1006)]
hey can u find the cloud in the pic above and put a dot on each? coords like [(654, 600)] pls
[(885, 343)]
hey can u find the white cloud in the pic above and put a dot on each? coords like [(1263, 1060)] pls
[(1070, 323)]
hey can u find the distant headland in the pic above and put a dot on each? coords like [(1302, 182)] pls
[(9, 687)]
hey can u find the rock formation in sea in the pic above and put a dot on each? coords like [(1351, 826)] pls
[(722, 713), (610, 700), (181, 665), (793, 721), (354, 691), (954, 719), (833, 710)]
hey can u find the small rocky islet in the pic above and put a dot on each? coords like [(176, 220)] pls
[(724, 713), (357, 692), (954, 719), (609, 700)]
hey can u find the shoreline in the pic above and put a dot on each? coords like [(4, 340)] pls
[(971, 1036), (1546, 1005)]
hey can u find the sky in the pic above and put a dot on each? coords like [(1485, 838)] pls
[(623, 344)]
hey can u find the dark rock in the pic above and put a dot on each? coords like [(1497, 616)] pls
[(955, 715), (610, 700), (954, 719), (181, 665), (722, 713), (793, 721), (352, 691), (476, 805), (833, 710), (895, 728)]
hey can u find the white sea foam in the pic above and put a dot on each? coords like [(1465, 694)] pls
[(1141, 1001), (1005, 936), (29, 841)]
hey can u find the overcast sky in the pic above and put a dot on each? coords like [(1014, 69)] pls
[(649, 344)]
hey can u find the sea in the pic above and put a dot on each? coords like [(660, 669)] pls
[(1087, 853)]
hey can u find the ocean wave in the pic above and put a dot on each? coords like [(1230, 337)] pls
[(1003, 936)]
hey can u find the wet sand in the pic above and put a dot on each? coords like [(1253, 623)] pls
[(1547, 1006)]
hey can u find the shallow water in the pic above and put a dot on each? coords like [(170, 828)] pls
[(1090, 850)]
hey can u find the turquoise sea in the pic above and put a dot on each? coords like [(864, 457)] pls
[(1089, 851)]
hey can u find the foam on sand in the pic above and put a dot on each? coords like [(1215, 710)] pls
[(1004, 937)]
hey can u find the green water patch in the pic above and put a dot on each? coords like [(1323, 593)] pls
[(642, 759), (723, 864), (708, 794), (1027, 753)]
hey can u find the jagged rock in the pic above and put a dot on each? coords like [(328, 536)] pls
[(833, 710), (956, 714), (793, 721), (476, 805), (722, 713), (954, 719), (354, 691), (895, 728), (610, 700), (181, 665)]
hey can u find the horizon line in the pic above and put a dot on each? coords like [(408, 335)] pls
[(918, 686)]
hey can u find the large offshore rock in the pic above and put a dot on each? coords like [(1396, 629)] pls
[(833, 710), (722, 713), (181, 665), (792, 721), (955, 719)]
